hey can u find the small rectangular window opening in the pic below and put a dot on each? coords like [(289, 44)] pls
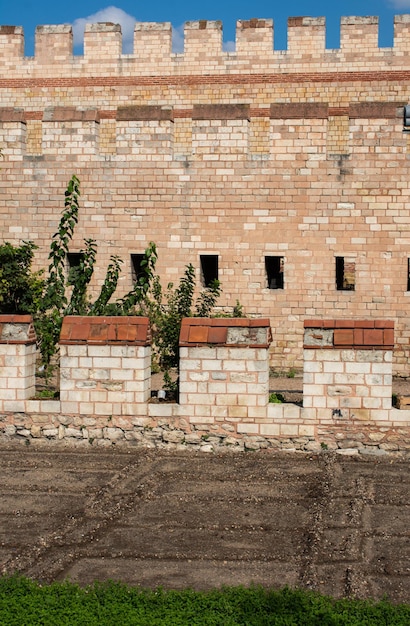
[(209, 268), (74, 260), (136, 266), (274, 266), (345, 274)]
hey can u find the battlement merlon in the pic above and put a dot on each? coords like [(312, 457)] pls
[(203, 49)]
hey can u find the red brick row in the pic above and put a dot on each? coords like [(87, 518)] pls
[(105, 330)]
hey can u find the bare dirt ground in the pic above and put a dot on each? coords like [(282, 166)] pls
[(327, 522)]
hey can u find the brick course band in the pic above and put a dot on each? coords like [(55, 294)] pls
[(105, 331), (232, 332), (353, 334)]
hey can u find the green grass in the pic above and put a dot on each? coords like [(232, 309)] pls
[(27, 603)]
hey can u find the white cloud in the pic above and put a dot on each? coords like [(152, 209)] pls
[(400, 4), (109, 14)]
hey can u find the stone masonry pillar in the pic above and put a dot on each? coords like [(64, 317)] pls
[(347, 370), (224, 369), (17, 361), (105, 365)]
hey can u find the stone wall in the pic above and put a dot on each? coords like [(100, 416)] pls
[(255, 156), (224, 389)]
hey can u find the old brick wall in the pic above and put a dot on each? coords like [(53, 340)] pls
[(297, 154)]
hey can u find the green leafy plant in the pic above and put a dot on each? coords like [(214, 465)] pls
[(20, 289), (276, 398), (55, 303), (24, 601), (166, 311)]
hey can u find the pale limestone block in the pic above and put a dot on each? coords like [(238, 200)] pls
[(347, 356), (333, 402), (400, 415), (306, 430), (50, 406), (217, 388), (219, 376), (350, 379), (69, 362), (103, 408), (248, 399), (319, 402), (212, 365), (124, 374), (323, 379), (381, 392), (242, 377), (374, 379), (99, 351), (308, 379), (130, 364), (230, 365), (202, 409), (350, 403), (262, 378), (372, 403), (85, 362), (236, 388), (99, 374), (275, 411), (70, 407), (190, 365), (370, 356), (381, 416), (119, 397), (198, 376), (8, 394), (269, 430), (206, 352), (133, 408), (327, 355), (103, 362), (32, 406), (219, 411), (202, 399), (14, 406), (249, 428), (258, 412), (226, 399), (204, 419), (73, 351), (358, 368), (258, 366), (381, 368), (313, 367), (291, 411), (362, 391), (387, 403), (313, 390), (16, 383), (289, 430), (188, 387), (238, 411)]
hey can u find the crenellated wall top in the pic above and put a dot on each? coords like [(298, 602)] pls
[(203, 49)]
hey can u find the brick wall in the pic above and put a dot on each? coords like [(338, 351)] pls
[(105, 387), (255, 153)]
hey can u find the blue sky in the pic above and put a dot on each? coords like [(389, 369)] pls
[(30, 13)]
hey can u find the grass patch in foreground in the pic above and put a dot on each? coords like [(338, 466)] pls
[(24, 602)]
